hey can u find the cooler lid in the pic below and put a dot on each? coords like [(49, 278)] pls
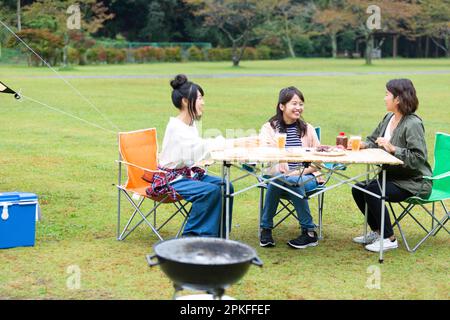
[(17, 196)]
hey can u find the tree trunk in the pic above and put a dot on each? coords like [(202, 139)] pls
[(436, 51), (235, 55), (334, 44), (419, 51), (290, 47), (288, 37), (369, 48), (447, 46), (65, 49), (394, 46), (19, 21), (83, 59), (427, 46)]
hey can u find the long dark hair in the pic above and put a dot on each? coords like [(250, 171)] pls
[(406, 93), (182, 88), (277, 121)]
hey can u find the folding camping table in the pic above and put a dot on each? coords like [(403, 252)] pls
[(261, 157)]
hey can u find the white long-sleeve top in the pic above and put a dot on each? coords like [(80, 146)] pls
[(183, 147)]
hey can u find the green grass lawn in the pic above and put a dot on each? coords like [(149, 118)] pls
[(71, 167)]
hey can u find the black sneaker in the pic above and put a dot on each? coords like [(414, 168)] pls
[(266, 239), (303, 241)]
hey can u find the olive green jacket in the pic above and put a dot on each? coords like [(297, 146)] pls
[(410, 147)]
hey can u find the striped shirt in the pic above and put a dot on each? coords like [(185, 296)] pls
[(293, 141)]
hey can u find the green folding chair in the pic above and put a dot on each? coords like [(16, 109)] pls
[(440, 192)]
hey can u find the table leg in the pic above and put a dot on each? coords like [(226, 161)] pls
[(383, 207), (227, 200), (223, 200), (366, 209), (261, 207)]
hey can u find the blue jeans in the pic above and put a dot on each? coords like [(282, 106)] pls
[(206, 198), (274, 194)]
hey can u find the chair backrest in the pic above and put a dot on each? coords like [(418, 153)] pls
[(317, 132), (139, 148), (442, 160)]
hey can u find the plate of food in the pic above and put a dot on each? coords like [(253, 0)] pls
[(330, 151)]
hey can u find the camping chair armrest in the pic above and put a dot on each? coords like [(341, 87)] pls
[(139, 167), (438, 177)]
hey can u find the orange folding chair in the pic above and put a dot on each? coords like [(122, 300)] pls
[(138, 151)]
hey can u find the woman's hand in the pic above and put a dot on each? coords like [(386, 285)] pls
[(383, 142), (283, 167)]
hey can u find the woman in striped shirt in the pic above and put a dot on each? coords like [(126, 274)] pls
[(288, 119)]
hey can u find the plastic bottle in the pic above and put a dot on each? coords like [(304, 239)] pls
[(342, 140)]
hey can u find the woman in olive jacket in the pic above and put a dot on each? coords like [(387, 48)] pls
[(401, 133)]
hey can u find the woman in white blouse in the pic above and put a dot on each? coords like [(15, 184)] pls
[(182, 149)]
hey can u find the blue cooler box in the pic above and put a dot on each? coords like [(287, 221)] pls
[(19, 212)]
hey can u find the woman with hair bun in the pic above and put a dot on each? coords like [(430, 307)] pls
[(182, 149), (401, 133)]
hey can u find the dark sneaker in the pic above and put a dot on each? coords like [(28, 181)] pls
[(303, 241), (266, 239)]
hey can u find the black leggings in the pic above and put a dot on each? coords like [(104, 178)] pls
[(393, 194)]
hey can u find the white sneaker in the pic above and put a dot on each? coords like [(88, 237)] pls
[(387, 245), (371, 237)]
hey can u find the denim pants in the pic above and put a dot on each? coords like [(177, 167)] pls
[(274, 194), (206, 198)]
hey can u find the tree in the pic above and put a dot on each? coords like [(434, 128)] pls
[(433, 21), (333, 19), (52, 15), (8, 12), (284, 19), (43, 41), (166, 21), (236, 19), (395, 16)]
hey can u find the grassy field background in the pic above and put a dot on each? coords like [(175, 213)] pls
[(70, 165)]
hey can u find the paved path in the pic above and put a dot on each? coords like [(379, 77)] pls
[(252, 75)]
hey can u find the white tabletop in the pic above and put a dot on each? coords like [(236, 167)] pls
[(269, 154)]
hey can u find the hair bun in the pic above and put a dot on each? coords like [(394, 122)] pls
[(179, 80)]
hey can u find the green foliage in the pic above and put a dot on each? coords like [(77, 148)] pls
[(149, 54), (250, 54), (277, 48), (114, 56), (215, 54), (303, 46), (173, 54), (73, 55), (82, 42), (47, 44), (97, 55), (219, 54), (195, 54), (263, 52)]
